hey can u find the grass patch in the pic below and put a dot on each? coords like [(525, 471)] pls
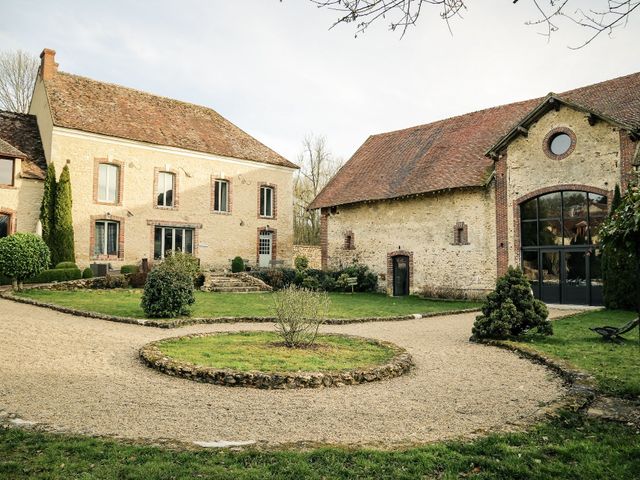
[(615, 366), (126, 303), (570, 447), (263, 352)]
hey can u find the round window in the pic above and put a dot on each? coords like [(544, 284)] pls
[(560, 143)]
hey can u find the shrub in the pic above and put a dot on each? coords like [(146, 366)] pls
[(66, 265), (127, 269), (56, 275), (182, 262), (23, 255), (343, 281), (510, 310), (237, 265), (48, 206), (87, 273), (276, 278), (367, 280), (311, 283), (109, 282), (301, 262), (137, 279), (168, 292), (299, 313)]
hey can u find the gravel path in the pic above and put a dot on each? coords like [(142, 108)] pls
[(84, 376)]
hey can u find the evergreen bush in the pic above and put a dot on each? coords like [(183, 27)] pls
[(618, 269), (510, 310), (56, 275), (23, 255), (66, 265), (87, 273), (63, 222), (237, 265), (168, 292), (301, 262), (127, 269), (183, 262)]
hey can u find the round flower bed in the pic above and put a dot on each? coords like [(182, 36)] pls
[(261, 360)]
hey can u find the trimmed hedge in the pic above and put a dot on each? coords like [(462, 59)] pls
[(237, 265), (87, 273), (56, 275), (125, 269), (66, 265)]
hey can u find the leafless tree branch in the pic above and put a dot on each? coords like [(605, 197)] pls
[(18, 71)]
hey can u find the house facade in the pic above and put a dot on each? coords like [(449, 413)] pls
[(445, 208), (151, 175)]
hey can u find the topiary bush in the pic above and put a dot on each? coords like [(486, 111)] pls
[(168, 293), (301, 262), (66, 265), (510, 310), (87, 273), (237, 265), (56, 275), (126, 269), (23, 255)]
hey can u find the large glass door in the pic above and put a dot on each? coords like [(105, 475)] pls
[(575, 288)]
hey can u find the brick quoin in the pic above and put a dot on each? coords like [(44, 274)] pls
[(502, 221), (628, 148)]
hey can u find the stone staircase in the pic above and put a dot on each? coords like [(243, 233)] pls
[(233, 282)]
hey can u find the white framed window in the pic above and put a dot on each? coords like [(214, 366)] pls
[(107, 235), (6, 171), (108, 179), (266, 201), (221, 196), (166, 187), (172, 239)]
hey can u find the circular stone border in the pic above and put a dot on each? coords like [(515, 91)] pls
[(152, 356)]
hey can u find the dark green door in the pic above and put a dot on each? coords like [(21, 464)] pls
[(400, 275)]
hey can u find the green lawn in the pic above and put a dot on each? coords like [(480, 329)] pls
[(264, 352), (615, 366), (571, 447), (126, 303)]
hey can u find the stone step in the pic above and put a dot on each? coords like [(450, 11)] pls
[(243, 289)]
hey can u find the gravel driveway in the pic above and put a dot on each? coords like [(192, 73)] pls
[(82, 375)]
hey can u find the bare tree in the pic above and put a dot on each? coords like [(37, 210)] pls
[(404, 13), (18, 70), (317, 167)]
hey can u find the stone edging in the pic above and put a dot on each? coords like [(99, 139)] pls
[(181, 322), (582, 386), (152, 356)]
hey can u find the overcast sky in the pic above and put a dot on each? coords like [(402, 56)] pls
[(277, 71)]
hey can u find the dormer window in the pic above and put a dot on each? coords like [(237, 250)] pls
[(7, 166)]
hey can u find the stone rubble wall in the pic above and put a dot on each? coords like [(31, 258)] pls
[(312, 252)]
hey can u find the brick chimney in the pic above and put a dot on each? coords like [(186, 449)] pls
[(48, 65)]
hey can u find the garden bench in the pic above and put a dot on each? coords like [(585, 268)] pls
[(613, 333)]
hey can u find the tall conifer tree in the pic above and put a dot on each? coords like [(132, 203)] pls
[(63, 220), (48, 206)]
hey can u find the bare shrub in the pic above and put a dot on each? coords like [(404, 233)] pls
[(299, 313)]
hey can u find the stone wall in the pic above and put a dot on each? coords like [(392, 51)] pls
[(312, 252), (219, 237), (594, 162), (425, 227)]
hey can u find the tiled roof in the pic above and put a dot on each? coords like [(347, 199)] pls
[(450, 153), (83, 104), (8, 150), (20, 131)]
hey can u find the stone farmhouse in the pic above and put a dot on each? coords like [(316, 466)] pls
[(445, 208), (148, 174)]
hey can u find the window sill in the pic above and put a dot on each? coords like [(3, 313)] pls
[(106, 257), (161, 207), (220, 212), (113, 204), (266, 218)]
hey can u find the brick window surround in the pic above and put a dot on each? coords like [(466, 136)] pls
[(176, 188), (274, 200), (11, 227), (92, 237), (349, 241), (390, 256), (460, 234), (96, 170), (546, 143), (274, 243), (13, 176), (229, 196), (163, 223), (542, 191)]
